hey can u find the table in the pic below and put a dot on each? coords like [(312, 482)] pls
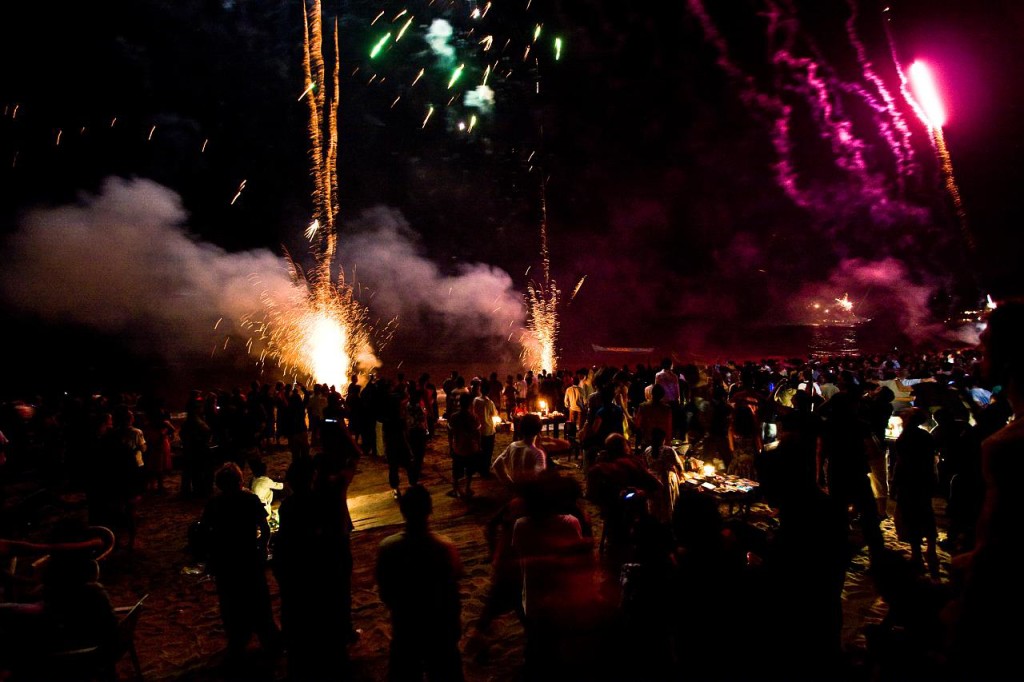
[(727, 489), (550, 423)]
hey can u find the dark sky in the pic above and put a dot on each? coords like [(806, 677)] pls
[(713, 169)]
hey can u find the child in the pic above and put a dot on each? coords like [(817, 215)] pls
[(263, 486)]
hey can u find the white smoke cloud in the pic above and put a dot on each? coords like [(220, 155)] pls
[(475, 301), (481, 97), (439, 36), (120, 262)]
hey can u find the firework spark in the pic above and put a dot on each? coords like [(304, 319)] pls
[(577, 288), (320, 329), (928, 105), (845, 303), (542, 303)]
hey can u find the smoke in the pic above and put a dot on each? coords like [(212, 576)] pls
[(481, 97), (121, 262), (439, 37), (475, 302)]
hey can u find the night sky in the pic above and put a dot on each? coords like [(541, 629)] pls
[(713, 169)]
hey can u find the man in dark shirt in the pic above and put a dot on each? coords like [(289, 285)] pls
[(238, 534), (417, 575)]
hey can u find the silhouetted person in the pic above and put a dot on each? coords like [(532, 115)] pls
[(913, 481), (846, 464), (196, 464), (239, 534), (987, 638), (418, 577), (335, 469), (313, 625), (804, 566)]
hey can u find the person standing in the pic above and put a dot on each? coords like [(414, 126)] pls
[(987, 634), (418, 579), (914, 483), (464, 442), (485, 411), (239, 534)]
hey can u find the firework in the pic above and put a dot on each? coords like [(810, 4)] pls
[(319, 329), (928, 105), (542, 302), (845, 303)]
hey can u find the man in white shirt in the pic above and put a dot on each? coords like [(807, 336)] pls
[(668, 380), (522, 460)]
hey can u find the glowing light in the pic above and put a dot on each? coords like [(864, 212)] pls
[(404, 29), (542, 302), (317, 327), (845, 303), (558, 49), (430, 113), (417, 78), (709, 470), (989, 303), (536, 32), (380, 45), (487, 42), (238, 193), (496, 420), (305, 92), (576, 289), (928, 105), (543, 406), (927, 95), (312, 229), (456, 75), (472, 123)]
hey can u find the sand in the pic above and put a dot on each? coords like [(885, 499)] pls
[(180, 635)]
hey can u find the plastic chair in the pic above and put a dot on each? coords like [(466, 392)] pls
[(128, 618)]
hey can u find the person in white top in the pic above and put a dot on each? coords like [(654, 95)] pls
[(485, 411), (668, 380), (262, 485), (522, 460)]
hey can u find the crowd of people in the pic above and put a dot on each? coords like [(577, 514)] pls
[(837, 446)]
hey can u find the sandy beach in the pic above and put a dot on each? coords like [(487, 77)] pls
[(180, 635)]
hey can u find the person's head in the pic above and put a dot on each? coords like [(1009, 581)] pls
[(1001, 342), (415, 505), (123, 416), (301, 474), (229, 478), (885, 395), (913, 416), (666, 364), (529, 426), (258, 466), (657, 393), (616, 446), (657, 438)]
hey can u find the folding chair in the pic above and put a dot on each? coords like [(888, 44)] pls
[(128, 618)]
